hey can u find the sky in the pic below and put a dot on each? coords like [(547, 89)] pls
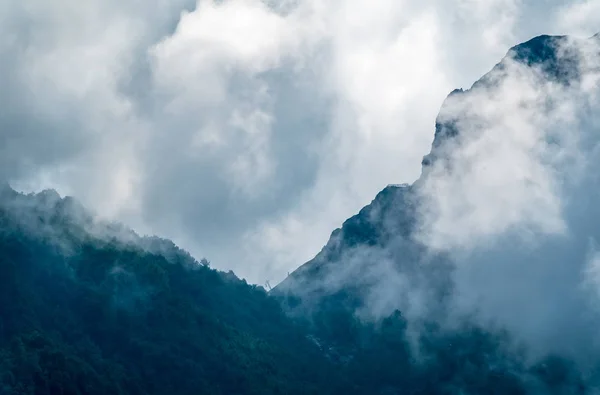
[(244, 130)]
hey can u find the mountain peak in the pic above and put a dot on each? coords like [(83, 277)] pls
[(48, 198), (556, 57), (385, 230), (537, 50)]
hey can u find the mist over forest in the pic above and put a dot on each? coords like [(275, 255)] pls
[(175, 181)]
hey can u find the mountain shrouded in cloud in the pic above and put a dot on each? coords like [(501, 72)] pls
[(479, 278), (243, 129), (91, 308), (501, 227)]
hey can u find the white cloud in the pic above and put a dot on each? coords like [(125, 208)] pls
[(499, 175), (245, 130), (582, 15), (512, 200)]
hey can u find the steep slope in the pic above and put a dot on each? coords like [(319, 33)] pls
[(491, 235), (388, 225), (392, 215)]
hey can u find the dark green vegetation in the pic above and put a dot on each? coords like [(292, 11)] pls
[(84, 312), (95, 315)]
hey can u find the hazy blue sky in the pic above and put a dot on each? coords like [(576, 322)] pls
[(245, 130)]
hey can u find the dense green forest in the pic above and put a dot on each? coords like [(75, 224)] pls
[(86, 315), (84, 310)]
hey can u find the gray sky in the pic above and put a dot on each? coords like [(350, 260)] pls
[(244, 130)]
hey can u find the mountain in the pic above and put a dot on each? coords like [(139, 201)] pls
[(386, 229), (449, 251), (92, 308), (391, 218), (389, 306)]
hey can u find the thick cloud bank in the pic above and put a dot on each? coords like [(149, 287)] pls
[(244, 129), (513, 197)]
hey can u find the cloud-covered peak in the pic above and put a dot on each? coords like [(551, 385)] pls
[(500, 226)]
